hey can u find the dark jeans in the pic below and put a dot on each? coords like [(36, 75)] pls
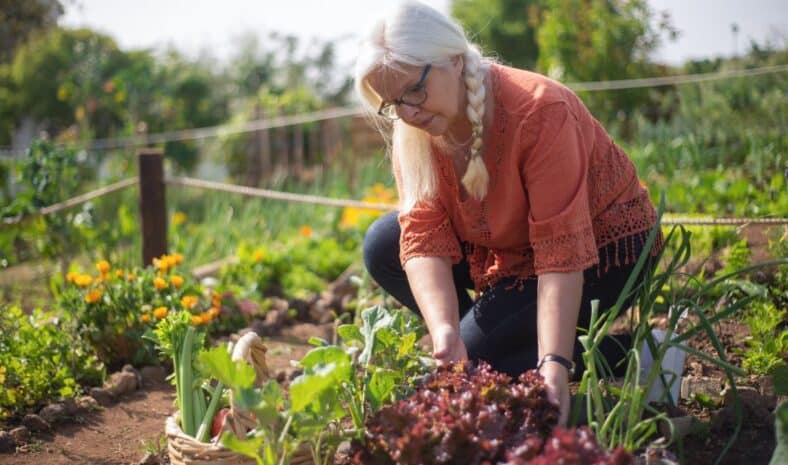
[(500, 326)]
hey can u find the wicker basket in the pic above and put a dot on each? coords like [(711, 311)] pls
[(186, 450)]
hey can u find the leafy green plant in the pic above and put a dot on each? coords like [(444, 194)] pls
[(767, 343), (41, 360)]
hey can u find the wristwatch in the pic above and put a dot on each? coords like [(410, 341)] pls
[(568, 364)]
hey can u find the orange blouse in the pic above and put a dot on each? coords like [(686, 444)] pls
[(559, 191)]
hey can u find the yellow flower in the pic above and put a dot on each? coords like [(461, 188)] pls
[(178, 218), (258, 255), (216, 301), (206, 317), (83, 280), (659, 300), (189, 301), (160, 283), (71, 276), (103, 266), (93, 296), (196, 320), (176, 280), (145, 318), (2, 374), (118, 273), (131, 276), (177, 258), (215, 312), (160, 312), (305, 231)]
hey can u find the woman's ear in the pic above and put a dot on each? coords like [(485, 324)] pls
[(458, 64)]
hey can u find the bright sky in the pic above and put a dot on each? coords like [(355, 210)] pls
[(198, 25)]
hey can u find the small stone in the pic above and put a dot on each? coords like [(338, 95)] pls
[(753, 402), (705, 385), (35, 423), (122, 383), (53, 413), (153, 374), (127, 368), (7, 442), (697, 368), (87, 403), (20, 434), (72, 409), (102, 396)]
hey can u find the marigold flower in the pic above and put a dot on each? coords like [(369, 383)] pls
[(103, 266), (71, 276), (176, 280), (160, 312), (160, 283), (83, 280), (177, 258), (178, 218), (306, 231), (131, 276), (189, 301), (206, 317), (196, 320), (93, 296), (258, 255), (216, 301), (118, 273), (145, 318), (215, 312)]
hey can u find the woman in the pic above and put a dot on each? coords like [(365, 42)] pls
[(508, 186)]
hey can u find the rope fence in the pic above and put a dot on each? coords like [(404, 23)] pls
[(304, 118)]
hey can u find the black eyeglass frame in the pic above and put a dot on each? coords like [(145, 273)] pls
[(418, 87)]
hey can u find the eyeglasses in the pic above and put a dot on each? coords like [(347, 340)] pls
[(414, 97)]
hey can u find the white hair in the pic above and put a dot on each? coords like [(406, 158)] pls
[(416, 34)]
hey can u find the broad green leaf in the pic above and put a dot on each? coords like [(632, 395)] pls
[(373, 319), (350, 333), (272, 401), (407, 343), (380, 386), (324, 368), (217, 363), (246, 447)]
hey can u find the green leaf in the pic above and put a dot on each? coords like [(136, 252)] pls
[(780, 374), (350, 333), (407, 343), (246, 447), (317, 341), (373, 318), (380, 387), (324, 368), (236, 375)]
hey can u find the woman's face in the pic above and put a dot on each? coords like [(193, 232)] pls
[(445, 103)]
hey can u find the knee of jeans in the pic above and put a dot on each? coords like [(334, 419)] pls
[(380, 247)]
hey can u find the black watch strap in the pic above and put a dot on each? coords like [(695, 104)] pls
[(569, 364)]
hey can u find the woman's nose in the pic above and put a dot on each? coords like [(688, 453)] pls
[(407, 112)]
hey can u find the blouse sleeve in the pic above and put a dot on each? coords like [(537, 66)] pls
[(556, 180), (425, 230)]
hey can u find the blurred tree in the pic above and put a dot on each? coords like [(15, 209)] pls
[(601, 40), (19, 18), (505, 28)]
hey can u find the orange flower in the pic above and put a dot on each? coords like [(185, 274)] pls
[(306, 231), (160, 312), (215, 312), (71, 276), (177, 258), (206, 317), (189, 301), (160, 283), (176, 280), (118, 273), (258, 255), (83, 280), (93, 296), (196, 320), (145, 318), (131, 276), (103, 266)]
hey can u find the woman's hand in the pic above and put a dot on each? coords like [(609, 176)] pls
[(447, 346), (556, 378)]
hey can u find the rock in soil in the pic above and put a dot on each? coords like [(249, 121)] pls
[(35, 423), (21, 435), (153, 374), (102, 396), (53, 413), (87, 404), (150, 459), (130, 369), (7, 442), (122, 383)]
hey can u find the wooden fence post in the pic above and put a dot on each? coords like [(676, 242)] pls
[(153, 206)]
